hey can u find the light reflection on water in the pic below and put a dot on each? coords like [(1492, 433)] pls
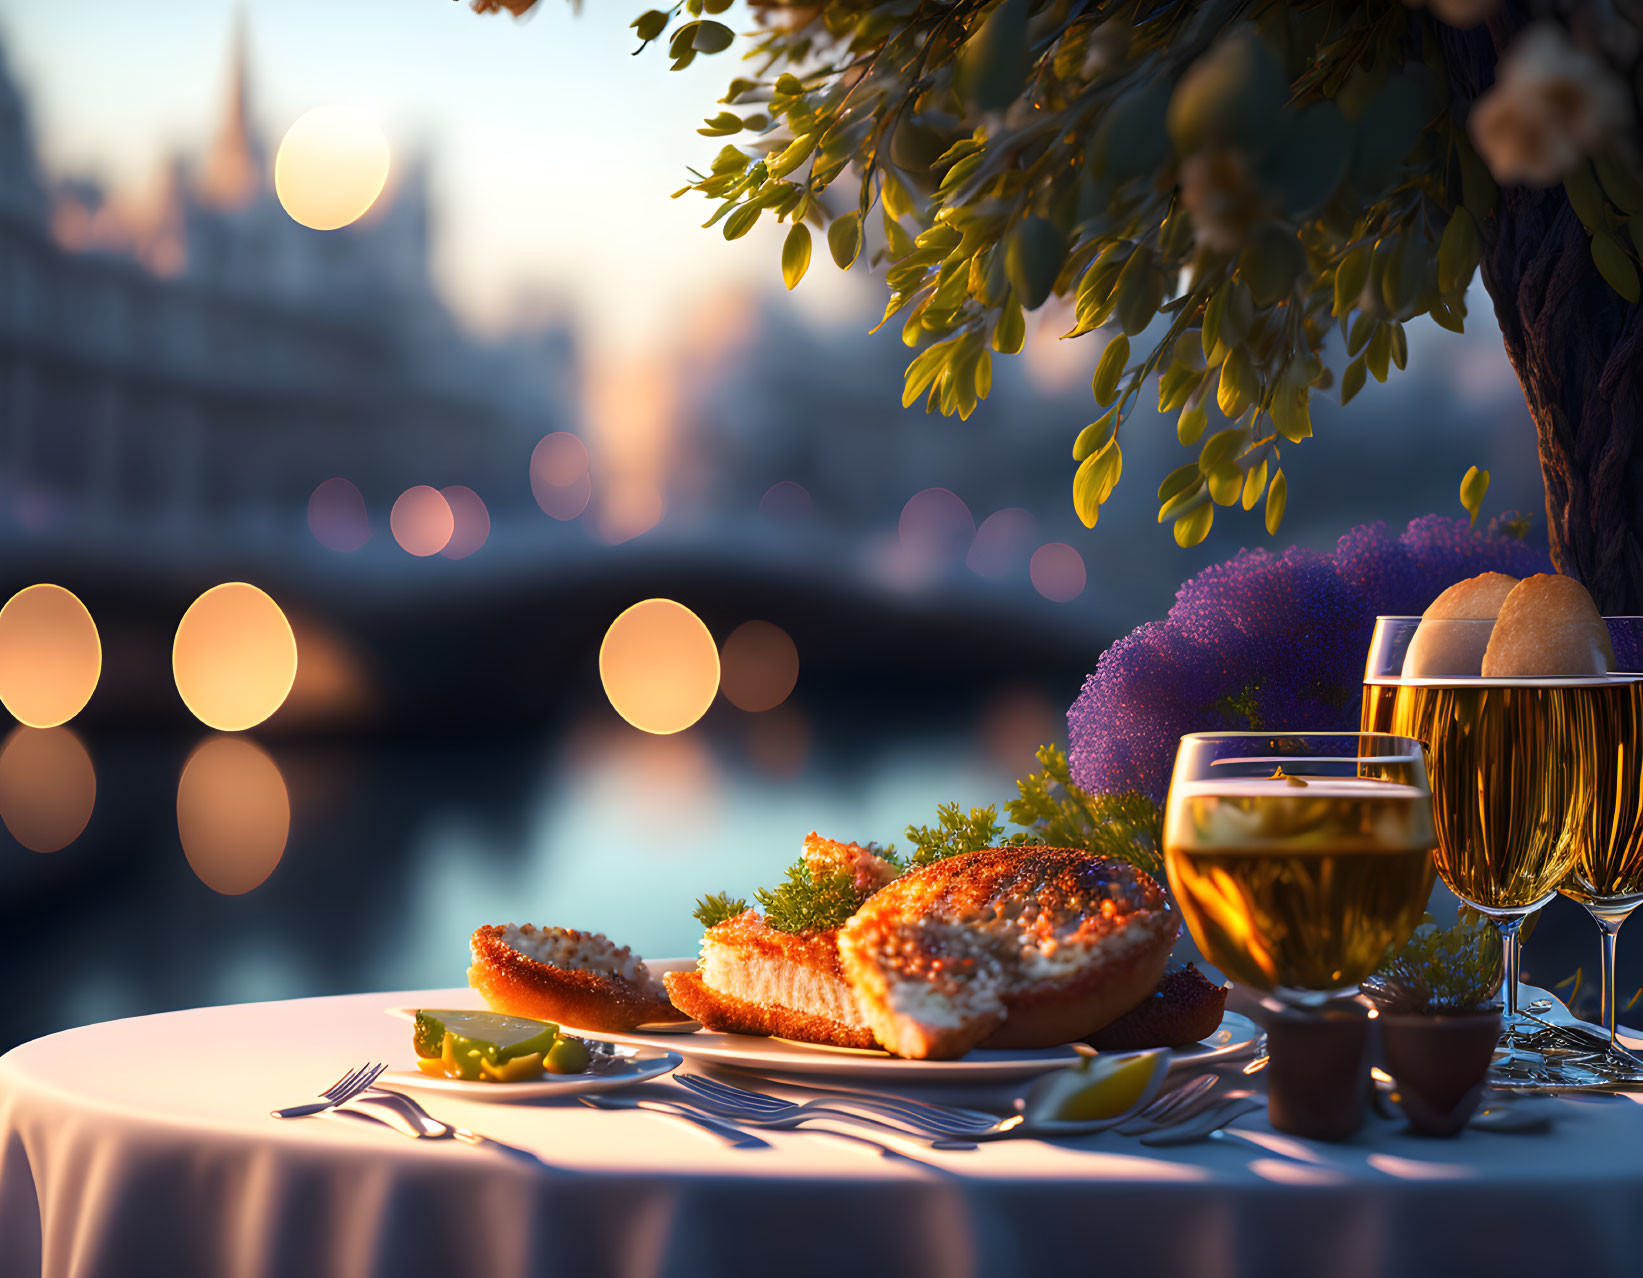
[(398, 851), (603, 853)]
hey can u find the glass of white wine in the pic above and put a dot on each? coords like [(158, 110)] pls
[(1513, 765), (1607, 875), (1299, 861)]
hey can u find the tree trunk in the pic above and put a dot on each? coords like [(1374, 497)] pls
[(1577, 347)]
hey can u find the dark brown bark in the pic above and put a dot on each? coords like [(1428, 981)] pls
[(1577, 347)]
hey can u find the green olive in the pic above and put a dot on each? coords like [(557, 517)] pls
[(567, 1056)]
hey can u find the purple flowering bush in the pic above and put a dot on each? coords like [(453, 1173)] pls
[(1269, 641)]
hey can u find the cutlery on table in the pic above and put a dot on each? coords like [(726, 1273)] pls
[(758, 1110), (733, 1136), (1171, 1107), (951, 1119), (690, 1113), (1207, 1122), (344, 1089)]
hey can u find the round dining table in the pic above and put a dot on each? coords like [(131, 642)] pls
[(146, 1146)]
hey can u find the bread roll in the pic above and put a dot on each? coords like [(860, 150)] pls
[(1549, 626), (1440, 648)]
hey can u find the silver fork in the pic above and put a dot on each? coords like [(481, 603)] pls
[(937, 1120), (345, 1088)]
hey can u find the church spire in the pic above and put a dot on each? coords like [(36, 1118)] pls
[(233, 169)]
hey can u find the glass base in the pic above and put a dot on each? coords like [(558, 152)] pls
[(1537, 1056)]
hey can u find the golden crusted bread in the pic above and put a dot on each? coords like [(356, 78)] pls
[(728, 1014), (1006, 947), (867, 869), (1548, 626), (579, 979), (753, 979)]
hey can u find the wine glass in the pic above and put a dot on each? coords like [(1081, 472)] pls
[(1299, 860), (1512, 766), (1607, 876)]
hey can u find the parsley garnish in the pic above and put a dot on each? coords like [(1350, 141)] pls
[(1055, 812), (956, 834), (717, 907), (804, 903)]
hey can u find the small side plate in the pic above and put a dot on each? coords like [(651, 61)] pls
[(633, 1063)]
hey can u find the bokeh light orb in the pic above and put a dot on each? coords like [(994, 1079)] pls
[(559, 459), (470, 521), (233, 814), (760, 665), (936, 525), (337, 516), (50, 656), (1002, 542), (48, 787), (660, 666), (234, 658), (786, 502), (421, 521), (331, 166), (560, 481), (1057, 571)]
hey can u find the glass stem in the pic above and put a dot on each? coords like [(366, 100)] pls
[(1510, 951), (1609, 928)]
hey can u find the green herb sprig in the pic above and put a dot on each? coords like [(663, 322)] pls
[(1440, 969), (955, 834), (1056, 812), (718, 907), (804, 902)]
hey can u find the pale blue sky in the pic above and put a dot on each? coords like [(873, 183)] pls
[(553, 151)]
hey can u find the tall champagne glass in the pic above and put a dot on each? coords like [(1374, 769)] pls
[(1607, 876), (1512, 767)]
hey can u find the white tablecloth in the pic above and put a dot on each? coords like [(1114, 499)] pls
[(144, 1146)]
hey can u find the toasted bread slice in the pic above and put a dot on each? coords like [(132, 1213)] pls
[(728, 1014), (1007, 947), (579, 979)]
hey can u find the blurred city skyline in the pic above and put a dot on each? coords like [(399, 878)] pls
[(692, 424)]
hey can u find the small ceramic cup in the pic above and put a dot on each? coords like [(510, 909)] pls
[(1440, 1064), (1318, 1078)]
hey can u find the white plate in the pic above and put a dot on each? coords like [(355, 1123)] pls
[(637, 1063), (1236, 1036)]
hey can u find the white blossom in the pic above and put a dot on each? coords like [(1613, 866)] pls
[(1550, 105)]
